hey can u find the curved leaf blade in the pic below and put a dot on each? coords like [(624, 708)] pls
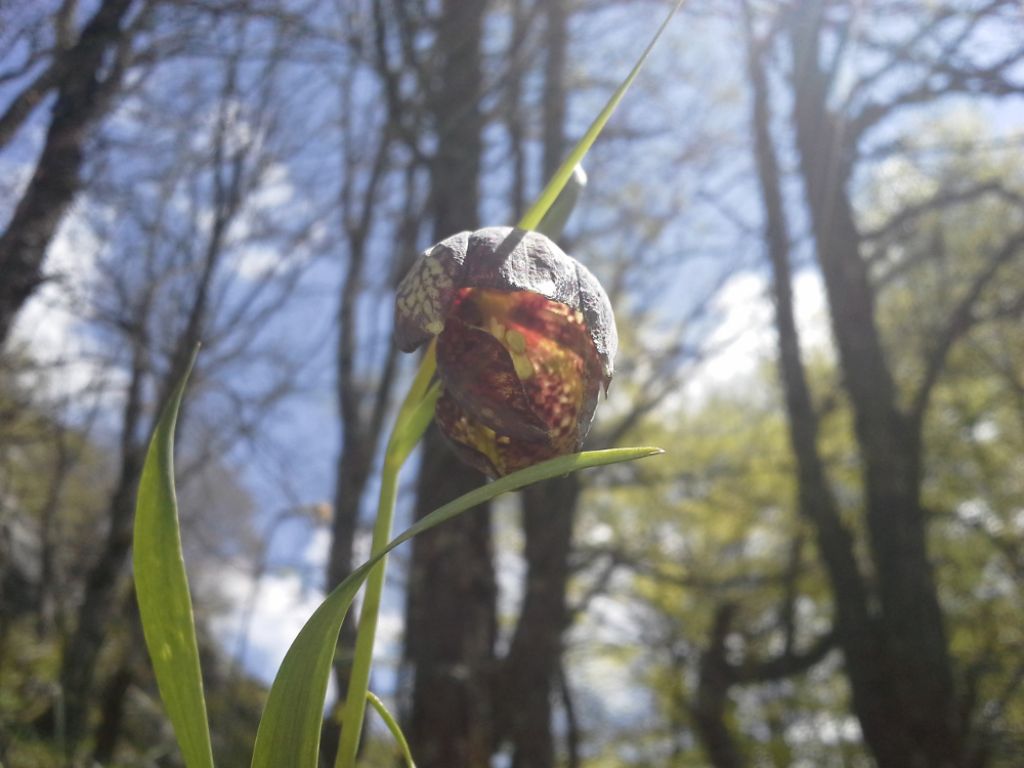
[(558, 214), (289, 731), (161, 588), (532, 218), (392, 724)]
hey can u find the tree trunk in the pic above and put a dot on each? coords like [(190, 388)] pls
[(78, 664), (714, 678), (81, 97), (913, 657), (856, 631), (529, 672), (115, 693), (450, 621), (450, 618)]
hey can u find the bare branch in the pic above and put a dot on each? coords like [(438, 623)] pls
[(959, 322)]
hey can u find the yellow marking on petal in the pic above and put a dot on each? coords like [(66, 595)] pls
[(523, 366), (495, 328), (516, 341)]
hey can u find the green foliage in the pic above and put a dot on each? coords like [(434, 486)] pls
[(26, 666), (713, 524), (716, 522), (974, 429)]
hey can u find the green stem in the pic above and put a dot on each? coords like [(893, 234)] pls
[(392, 725), (409, 427), (359, 680)]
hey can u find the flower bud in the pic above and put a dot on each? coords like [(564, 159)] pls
[(526, 341)]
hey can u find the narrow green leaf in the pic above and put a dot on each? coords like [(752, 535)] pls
[(410, 429), (392, 724), (532, 218), (563, 465), (420, 383), (289, 731), (558, 214), (161, 587)]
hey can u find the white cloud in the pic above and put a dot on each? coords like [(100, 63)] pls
[(284, 601), (255, 262), (319, 547), (282, 606), (49, 327), (745, 335), (277, 190)]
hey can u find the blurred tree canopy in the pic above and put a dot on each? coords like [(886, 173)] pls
[(808, 215)]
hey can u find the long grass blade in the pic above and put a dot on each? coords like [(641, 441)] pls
[(161, 587), (558, 214), (532, 218), (289, 731)]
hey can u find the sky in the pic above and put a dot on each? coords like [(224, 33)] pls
[(303, 430)]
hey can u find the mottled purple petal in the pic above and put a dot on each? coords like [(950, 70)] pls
[(479, 373), (526, 341)]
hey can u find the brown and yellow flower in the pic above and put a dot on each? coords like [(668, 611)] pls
[(526, 341)]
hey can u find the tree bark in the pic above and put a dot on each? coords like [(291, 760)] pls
[(114, 698), (529, 672), (450, 621), (82, 94), (716, 675), (78, 663), (913, 657), (450, 614), (714, 678), (857, 633)]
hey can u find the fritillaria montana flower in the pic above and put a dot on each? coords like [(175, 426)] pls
[(526, 340)]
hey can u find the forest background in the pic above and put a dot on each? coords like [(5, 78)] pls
[(808, 215)]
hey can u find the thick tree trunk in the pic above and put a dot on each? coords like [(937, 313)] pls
[(914, 657), (529, 672), (450, 620), (714, 678), (82, 92), (856, 631), (114, 698), (112, 704)]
